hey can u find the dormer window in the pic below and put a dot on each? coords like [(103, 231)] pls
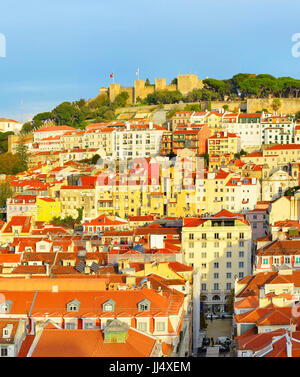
[(5, 307), (109, 306), (144, 306), (73, 306), (7, 330)]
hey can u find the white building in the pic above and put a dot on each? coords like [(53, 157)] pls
[(7, 125), (137, 141), (242, 194)]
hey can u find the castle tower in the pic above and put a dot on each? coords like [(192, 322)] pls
[(139, 89), (186, 83), (103, 90), (114, 90), (160, 84)]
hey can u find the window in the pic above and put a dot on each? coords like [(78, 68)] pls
[(241, 264), (142, 326), (228, 275), (216, 286), (241, 235), (160, 326), (144, 306), (191, 245), (203, 244), (216, 236), (241, 254), (228, 264), (70, 326), (88, 325), (216, 255), (241, 243), (216, 265), (228, 286), (228, 236), (191, 236), (228, 254), (203, 287), (265, 261), (203, 265), (203, 255), (109, 306), (241, 275), (204, 236), (4, 351), (191, 255), (216, 276)]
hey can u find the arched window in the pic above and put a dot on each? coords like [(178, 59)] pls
[(216, 298)]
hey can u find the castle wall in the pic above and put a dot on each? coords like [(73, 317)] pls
[(288, 105), (114, 90), (186, 83), (160, 84), (171, 87), (130, 92)]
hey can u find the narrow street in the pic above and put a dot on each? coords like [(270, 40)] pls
[(215, 329)]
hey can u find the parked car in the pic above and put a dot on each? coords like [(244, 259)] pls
[(223, 340), (226, 315), (224, 348), (205, 342), (212, 316)]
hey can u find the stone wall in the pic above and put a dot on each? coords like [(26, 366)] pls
[(288, 105), (185, 84)]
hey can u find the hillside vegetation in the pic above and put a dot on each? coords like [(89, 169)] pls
[(241, 86)]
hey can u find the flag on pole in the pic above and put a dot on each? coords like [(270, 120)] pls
[(138, 73), (111, 75)]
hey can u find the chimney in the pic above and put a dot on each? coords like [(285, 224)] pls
[(150, 125), (127, 126)]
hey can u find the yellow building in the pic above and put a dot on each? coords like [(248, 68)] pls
[(220, 246), (222, 143), (47, 208), (214, 121)]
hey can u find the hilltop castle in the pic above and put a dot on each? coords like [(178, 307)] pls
[(185, 84)]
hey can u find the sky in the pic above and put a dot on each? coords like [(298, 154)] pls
[(64, 50)]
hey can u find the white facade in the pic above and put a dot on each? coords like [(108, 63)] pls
[(7, 125)]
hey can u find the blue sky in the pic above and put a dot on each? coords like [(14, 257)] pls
[(64, 50)]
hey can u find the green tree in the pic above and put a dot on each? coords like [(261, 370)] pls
[(209, 104), (80, 214), (5, 193), (147, 83), (121, 100), (4, 141), (193, 107), (67, 113), (95, 159), (22, 154), (230, 302), (276, 104)]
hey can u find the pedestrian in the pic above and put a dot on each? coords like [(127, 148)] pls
[(211, 317), (212, 341)]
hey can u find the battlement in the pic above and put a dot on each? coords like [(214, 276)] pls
[(185, 84)]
